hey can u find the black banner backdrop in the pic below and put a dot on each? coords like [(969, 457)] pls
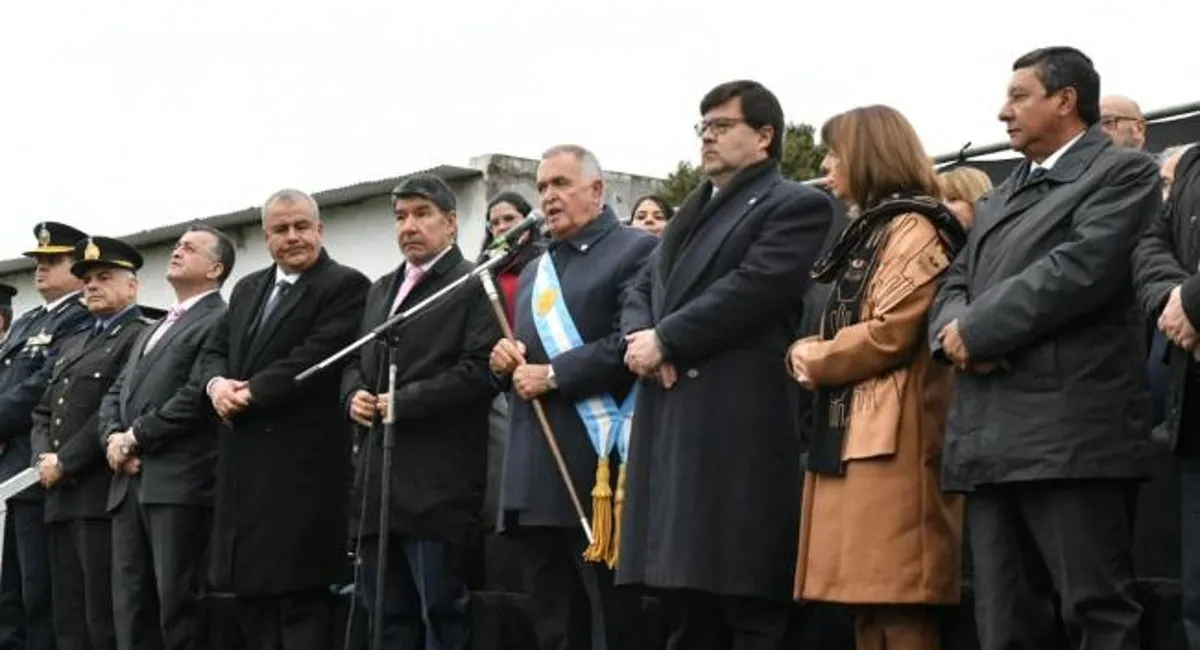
[(1166, 128)]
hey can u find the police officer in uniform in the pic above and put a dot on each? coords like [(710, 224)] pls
[(68, 450), (34, 341)]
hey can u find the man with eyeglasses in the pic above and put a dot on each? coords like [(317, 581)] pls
[(712, 504), (1122, 120)]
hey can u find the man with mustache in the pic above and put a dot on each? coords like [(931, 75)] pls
[(1049, 433), (279, 528), (443, 395)]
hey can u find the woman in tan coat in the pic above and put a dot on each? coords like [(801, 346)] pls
[(876, 530)]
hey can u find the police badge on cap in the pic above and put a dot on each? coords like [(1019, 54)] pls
[(94, 252), (55, 238)]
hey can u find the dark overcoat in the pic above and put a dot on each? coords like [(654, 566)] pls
[(283, 464), (444, 392), (595, 268), (714, 470), (1168, 256), (1044, 285)]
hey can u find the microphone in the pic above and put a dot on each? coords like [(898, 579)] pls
[(509, 239)]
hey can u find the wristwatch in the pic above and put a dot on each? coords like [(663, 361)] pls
[(550, 380)]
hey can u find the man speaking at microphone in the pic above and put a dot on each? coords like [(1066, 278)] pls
[(443, 394), (577, 286)]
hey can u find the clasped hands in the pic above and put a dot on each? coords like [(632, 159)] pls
[(365, 405), (50, 470), (956, 350), (230, 397), (1173, 321), (529, 380), (120, 453), (644, 358)]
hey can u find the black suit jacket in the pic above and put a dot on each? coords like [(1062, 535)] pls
[(283, 465), (27, 356), (67, 422), (443, 396), (159, 394)]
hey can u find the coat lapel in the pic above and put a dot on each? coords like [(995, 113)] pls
[(701, 251), (87, 343), (189, 319), (242, 319), (262, 337), (428, 284), (1014, 197)]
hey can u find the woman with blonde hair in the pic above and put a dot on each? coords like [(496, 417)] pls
[(876, 531), (961, 188)]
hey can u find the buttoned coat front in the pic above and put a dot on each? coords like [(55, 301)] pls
[(714, 466), (283, 464), (67, 423)]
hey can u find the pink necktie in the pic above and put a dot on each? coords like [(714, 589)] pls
[(173, 314), (412, 275)]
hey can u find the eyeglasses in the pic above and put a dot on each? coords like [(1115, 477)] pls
[(719, 126)]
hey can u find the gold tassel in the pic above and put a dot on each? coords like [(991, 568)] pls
[(614, 549), (601, 514)]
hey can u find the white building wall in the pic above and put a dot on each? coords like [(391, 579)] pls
[(361, 235)]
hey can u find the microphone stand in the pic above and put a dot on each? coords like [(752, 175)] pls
[(389, 430)]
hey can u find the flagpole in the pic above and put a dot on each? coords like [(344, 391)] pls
[(540, 411)]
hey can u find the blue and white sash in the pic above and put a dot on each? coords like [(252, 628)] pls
[(607, 424)]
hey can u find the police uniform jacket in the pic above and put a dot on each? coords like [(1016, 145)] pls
[(66, 420), (35, 340)]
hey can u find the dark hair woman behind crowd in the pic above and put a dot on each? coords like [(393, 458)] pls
[(651, 213), (505, 211)]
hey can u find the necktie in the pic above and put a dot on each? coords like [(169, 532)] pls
[(412, 275), (1034, 175), (281, 289), (97, 330), (173, 314)]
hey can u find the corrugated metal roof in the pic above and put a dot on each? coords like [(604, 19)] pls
[(327, 199)]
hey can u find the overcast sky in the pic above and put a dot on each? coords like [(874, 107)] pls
[(121, 116)]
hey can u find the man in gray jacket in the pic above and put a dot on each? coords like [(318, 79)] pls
[(1049, 431)]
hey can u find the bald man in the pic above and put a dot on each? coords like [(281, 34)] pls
[(1123, 121)]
